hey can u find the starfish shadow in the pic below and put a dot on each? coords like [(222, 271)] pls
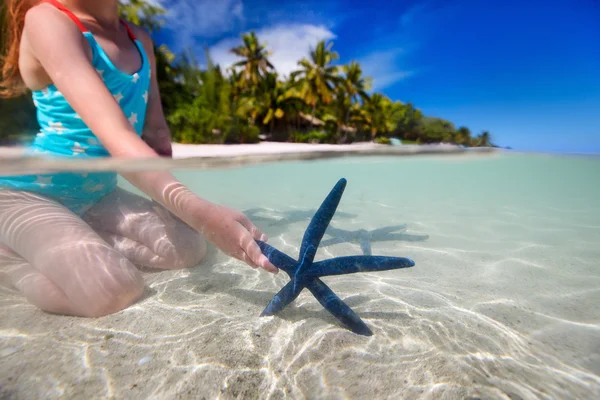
[(276, 224), (365, 237), (305, 273)]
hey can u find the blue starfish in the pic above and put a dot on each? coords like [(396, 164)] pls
[(305, 273)]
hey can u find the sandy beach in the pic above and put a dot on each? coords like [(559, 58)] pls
[(267, 148)]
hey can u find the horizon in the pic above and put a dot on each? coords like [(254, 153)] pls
[(533, 86)]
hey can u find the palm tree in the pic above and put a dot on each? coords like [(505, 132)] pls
[(255, 62), (463, 135), (486, 139), (377, 114), (352, 87), (276, 101), (316, 77), (482, 140), (354, 84)]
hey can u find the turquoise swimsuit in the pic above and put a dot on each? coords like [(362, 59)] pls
[(64, 134)]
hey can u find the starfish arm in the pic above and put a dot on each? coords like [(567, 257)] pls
[(284, 297), (320, 221), (332, 303), (278, 259), (352, 264), (365, 245)]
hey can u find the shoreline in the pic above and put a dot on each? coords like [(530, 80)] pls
[(288, 148), (181, 151), (211, 156)]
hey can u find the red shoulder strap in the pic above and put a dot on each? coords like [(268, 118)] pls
[(81, 27), (67, 12), (129, 32)]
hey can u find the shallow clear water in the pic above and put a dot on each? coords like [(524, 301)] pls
[(502, 302)]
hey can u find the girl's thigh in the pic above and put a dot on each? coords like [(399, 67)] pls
[(59, 246)]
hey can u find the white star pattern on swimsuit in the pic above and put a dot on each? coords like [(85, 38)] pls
[(56, 127), (100, 72), (135, 77), (43, 180), (145, 96), (77, 149), (118, 97), (95, 188), (133, 119), (92, 142)]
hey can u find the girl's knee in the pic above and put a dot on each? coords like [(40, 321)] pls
[(113, 294), (188, 254), (114, 302)]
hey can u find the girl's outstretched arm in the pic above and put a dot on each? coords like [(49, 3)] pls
[(58, 46)]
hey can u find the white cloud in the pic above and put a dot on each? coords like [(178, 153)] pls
[(383, 67), (190, 19), (288, 44)]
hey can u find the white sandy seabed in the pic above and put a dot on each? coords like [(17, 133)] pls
[(502, 303)]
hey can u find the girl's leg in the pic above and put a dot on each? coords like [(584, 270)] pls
[(145, 232), (38, 289), (58, 262)]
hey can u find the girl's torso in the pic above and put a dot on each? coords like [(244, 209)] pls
[(62, 131)]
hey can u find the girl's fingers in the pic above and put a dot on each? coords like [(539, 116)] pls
[(257, 257), (253, 229), (244, 257)]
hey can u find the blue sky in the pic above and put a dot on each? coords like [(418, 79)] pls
[(527, 71)]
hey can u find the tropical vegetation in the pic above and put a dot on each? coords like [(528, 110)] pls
[(321, 101)]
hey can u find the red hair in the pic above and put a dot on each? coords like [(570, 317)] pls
[(11, 83)]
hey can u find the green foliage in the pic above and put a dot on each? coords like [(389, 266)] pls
[(242, 133), (143, 14), (314, 136), (383, 140), (17, 120), (209, 105), (207, 117)]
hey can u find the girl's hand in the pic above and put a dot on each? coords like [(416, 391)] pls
[(233, 233)]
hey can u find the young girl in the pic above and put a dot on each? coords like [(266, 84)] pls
[(69, 241)]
